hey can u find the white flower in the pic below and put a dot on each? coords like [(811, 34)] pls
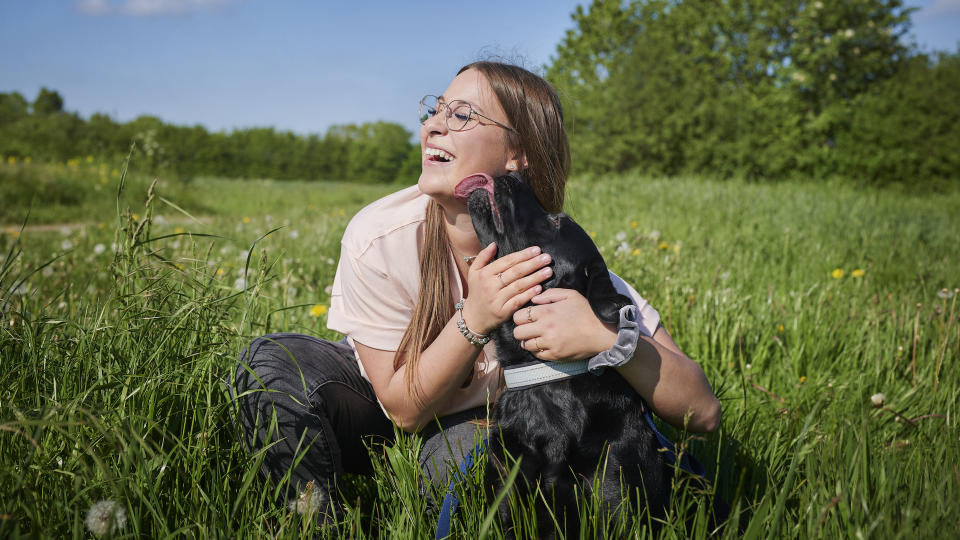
[(328, 289), (240, 284), (849, 33), (818, 5), (175, 244), (331, 261), (945, 294), (799, 77), (99, 248), (748, 366), (291, 291), (65, 230), (160, 220), (725, 276), (826, 39), (47, 271), (833, 76), (655, 234), (621, 236), (622, 248), (66, 244), (294, 234), (106, 517), (243, 255), (309, 500), (113, 246), (877, 400), (19, 290)]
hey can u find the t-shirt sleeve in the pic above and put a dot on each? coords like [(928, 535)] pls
[(649, 319), (367, 302)]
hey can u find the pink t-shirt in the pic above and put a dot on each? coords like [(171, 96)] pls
[(378, 279)]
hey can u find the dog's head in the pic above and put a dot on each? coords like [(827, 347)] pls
[(506, 211)]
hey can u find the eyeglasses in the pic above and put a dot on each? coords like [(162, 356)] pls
[(459, 116)]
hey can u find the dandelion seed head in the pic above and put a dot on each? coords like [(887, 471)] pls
[(99, 248), (748, 366), (622, 248), (877, 400), (945, 294), (106, 517), (240, 283), (621, 236), (66, 244), (328, 289), (65, 231), (309, 500), (655, 234), (294, 234), (47, 271)]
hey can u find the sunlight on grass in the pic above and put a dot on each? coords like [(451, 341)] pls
[(825, 318)]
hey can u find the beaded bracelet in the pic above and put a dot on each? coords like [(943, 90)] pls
[(475, 339)]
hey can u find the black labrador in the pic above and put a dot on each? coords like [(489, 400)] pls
[(575, 435)]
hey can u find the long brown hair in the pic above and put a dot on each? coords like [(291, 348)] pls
[(533, 109)]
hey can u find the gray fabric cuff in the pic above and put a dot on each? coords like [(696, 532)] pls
[(628, 333)]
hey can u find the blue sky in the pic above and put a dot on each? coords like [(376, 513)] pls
[(293, 64)]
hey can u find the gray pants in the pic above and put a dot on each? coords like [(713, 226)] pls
[(303, 396)]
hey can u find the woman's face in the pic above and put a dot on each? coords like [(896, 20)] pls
[(484, 148)]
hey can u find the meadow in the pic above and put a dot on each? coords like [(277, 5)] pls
[(825, 317)]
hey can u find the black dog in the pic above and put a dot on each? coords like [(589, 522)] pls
[(576, 433)]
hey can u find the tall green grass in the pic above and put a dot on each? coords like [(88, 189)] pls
[(112, 358)]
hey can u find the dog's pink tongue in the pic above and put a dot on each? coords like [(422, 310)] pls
[(472, 183)]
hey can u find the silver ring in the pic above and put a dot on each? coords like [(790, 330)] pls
[(530, 314), (522, 341), (500, 277)]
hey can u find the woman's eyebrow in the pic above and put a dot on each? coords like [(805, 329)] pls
[(472, 105)]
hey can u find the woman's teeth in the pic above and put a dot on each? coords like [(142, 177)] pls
[(438, 154)]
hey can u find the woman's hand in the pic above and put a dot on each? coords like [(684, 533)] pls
[(562, 326), (498, 288)]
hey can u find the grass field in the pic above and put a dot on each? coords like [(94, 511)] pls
[(800, 300)]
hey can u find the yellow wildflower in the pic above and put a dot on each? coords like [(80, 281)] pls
[(318, 310), (636, 252), (634, 224), (114, 172), (178, 230), (12, 160), (101, 225), (858, 273), (803, 379), (89, 159), (219, 271), (135, 216), (27, 160), (837, 273), (663, 245), (246, 219), (676, 248), (780, 328), (593, 234)]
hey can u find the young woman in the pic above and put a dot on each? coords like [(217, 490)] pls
[(405, 260)]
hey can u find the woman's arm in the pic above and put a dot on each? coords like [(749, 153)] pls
[(445, 364), (671, 383)]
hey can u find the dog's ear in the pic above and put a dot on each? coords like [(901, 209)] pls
[(602, 295)]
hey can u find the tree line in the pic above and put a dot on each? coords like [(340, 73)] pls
[(44, 131), (757, 89), (736, 88)]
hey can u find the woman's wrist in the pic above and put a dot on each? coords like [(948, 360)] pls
[(623, 349)]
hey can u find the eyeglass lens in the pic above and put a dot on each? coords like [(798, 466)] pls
[(458, 113)]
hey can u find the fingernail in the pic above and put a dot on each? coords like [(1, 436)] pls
[(545, 258), (535, 249), (538, 288), (547, 271)]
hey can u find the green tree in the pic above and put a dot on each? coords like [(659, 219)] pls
[(47, 102)]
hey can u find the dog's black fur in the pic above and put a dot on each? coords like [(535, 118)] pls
[(577, 432)]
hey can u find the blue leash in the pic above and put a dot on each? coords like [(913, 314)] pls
[(451, 501)]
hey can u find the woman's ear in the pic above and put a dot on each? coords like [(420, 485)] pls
[(518, 162)]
